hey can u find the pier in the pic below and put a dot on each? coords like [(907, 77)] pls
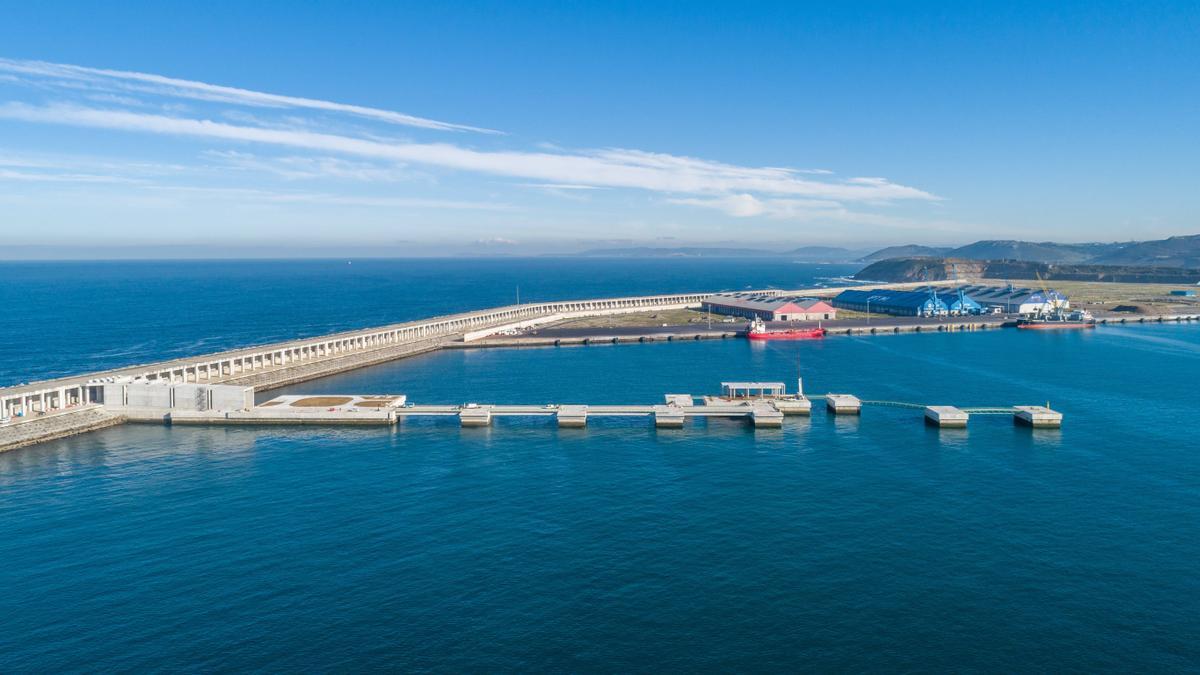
[(763, 405)]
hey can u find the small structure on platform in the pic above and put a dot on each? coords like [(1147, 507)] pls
[(843, 404), (746, 390), (1037, 416), (775, 392), (572, 416), (945, 416)]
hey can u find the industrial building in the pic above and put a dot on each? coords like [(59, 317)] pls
[(956, 300), (1012, 299), (769, 307), (893, 302)]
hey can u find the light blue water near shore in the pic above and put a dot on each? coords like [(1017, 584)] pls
[(832, 544)]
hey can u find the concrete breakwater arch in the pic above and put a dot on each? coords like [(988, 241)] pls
[(284, 363)]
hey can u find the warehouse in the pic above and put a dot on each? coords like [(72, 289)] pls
[(893, 302), (1012, 299), (769, 307), (959, 303)]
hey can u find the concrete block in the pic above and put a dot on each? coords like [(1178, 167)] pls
[(668, 417), (765, 415), (945, 416), (147, 395), (843, 404), (190, 397), (1037, 416), (230, 397), (572, 416), (480, 416)]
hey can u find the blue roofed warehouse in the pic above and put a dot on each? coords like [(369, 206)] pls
[(894, 302)]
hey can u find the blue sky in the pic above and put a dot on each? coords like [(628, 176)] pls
[(527, 127)]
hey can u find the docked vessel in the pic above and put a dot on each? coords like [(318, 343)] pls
[(757, 330), (1059, 319), (1056, 315)]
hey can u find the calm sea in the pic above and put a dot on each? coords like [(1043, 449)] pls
[(832, 544)]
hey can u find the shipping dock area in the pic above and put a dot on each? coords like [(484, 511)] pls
[(46, 410), (761, 404)]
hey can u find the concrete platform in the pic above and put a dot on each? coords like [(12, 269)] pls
[(669, 417), (843, 404), (766, 415), (572, 416), (1037, 416), (681, 400), (479, 416), (945, 416), (793, 406), (290, 416)]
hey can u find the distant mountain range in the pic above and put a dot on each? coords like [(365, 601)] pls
[(940, 269), (1183, 251), (820, 254)]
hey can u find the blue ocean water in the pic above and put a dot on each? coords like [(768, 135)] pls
[(832, 544), (65, 318)]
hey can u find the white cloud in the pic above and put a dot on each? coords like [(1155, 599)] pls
[(311, 168), (32, 177), (178, 88), (316, 198), (606, 168)]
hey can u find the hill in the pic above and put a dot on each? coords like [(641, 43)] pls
[(1174, 252), (1181, 251), (940, 269), (1046, 251), (909, 251)]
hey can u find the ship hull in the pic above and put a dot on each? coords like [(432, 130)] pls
[(813, 334), (1056, 325)]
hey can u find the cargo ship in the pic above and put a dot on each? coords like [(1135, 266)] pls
[(1059, 320), (757, 330)]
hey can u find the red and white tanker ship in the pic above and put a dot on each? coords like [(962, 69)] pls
[(757, 330)]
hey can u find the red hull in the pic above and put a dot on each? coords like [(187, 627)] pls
[(806, 334)]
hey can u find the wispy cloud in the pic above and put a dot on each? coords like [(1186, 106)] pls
[(121, 80), (36, 177), (293, 167), (604, 168), (252, 142), (317, 198)]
